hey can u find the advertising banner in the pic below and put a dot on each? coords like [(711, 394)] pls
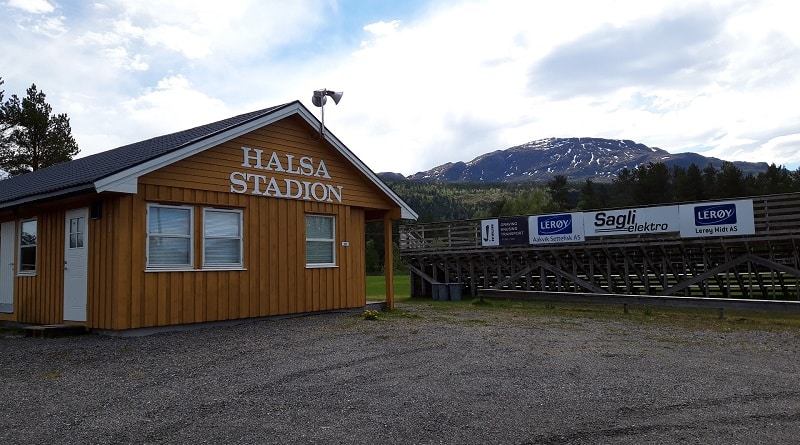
[(490, 233), (551, 229), (728, 218), (717, 219), (504, 231), (631, 221)]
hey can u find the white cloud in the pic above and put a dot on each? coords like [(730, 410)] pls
[(786, 148), (33, 6), (199, 29), (382, 28), (35, 17), (173, 105), (446, 81), (121, 59), (781, 150)]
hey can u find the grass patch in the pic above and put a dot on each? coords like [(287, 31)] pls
[(376, 287), (397, 313), (565, 313), (51, 375), (10, 328), (476, 321), (692, 318)]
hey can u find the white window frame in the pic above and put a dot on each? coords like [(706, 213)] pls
[(332, 241), (28, 272), (190, 236), (79, 233), (240, 237)]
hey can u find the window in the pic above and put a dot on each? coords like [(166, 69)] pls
[(320, 241), (222, 238), (76, 232), (27, 247), (169, 236)]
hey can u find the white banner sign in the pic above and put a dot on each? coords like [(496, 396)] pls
[(490, 233), (551, 229), (717, 219), (631, 221), (727, 218)]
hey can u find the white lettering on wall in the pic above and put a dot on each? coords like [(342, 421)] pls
[(247, 158), (261, 184)]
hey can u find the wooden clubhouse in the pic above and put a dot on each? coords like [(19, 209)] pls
[(252, 216)]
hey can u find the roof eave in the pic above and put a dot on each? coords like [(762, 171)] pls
[(123, 180), (78, 189), (406, 212)]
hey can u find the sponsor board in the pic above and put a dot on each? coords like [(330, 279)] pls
[(513, 230), (504, 231), (728, 218), (717, 219), (551, 229), (490, 233), (631, 221)]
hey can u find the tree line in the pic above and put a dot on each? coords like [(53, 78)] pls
[(655, 183), (652, 183)]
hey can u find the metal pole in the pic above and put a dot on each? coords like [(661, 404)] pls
[(322, 124)]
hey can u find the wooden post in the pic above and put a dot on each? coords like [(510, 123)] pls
[(388, 263)]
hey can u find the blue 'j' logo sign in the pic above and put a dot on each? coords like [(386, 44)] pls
[(555, 225), (715, 215)]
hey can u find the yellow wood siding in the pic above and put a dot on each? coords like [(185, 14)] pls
[(276, 280), (123, 294), (39, 298), (211, 169)]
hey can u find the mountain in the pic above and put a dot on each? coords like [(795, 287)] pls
[(576, 158)]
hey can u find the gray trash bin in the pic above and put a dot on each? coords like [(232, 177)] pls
[(455, 291), (440, 291)]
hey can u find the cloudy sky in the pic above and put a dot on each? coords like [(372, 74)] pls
[(425, 81)]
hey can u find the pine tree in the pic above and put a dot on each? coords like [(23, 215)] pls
[(32, 137), (652, 184), (730, 181), (559, 192)]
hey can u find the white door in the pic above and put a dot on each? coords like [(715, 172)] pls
[(76, 260), (7, 237)]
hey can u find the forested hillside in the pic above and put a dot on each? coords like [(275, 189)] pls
[(654, 183), (453, 201)]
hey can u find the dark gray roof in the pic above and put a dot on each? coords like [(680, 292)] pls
[(80, 174)]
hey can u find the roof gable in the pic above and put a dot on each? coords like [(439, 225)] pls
[(119, 169)]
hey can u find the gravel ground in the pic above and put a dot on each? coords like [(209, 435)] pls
[(459, 376)]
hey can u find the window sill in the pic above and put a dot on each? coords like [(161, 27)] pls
[(321, 266), (206, 269), (168, 269)]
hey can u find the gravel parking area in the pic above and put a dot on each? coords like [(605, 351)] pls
[(423, 375)]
